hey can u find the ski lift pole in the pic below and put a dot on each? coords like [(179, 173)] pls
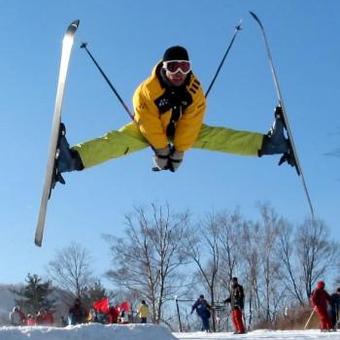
[(84, 45), (179, 315), (237, 29)]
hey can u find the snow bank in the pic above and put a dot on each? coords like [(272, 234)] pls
[(148, 332), (88, 332)]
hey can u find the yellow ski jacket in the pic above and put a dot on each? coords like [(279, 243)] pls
[(143, 311), (165, 113)]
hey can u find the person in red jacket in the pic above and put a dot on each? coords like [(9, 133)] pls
[(320, 299), (112, 315), (45, 318), (30, 320), (236, 300)]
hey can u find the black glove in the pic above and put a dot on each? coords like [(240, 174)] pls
[(175, 160), (161, 158)]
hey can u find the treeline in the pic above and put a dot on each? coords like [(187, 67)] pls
[(166, 255)]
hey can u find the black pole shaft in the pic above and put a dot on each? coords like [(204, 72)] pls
[(84, 45), (179, 317), (237, 29)]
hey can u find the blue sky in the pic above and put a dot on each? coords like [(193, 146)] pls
[(127, 38)]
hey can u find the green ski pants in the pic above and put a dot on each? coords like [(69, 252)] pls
[(129, 139)]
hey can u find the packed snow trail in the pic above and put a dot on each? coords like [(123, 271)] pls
[(260, 335)]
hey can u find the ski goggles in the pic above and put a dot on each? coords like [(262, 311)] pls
[(173, 66)]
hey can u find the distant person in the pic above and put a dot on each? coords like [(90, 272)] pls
[(202, 308), (30, 320), (236, 300), (335, 308), (17, 317), (77, 313), (93, 315), (112, 315), (63, 321), (320, 300), (123, 317), (45, 318), (143, 311)]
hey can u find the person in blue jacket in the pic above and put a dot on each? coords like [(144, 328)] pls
[(202, 308)]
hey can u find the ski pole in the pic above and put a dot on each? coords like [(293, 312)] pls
[(310, 318), (244, 320), (179, 315), (237, 29), (84, 45)]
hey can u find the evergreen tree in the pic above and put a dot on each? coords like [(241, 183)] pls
[(94, 292), (35, 295)]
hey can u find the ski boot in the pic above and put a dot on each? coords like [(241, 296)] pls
[(275, 141), (66, 159)]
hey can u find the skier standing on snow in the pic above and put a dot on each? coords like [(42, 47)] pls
[(202, 308), (45, 317), (320, 300), (143, 311), (335, 308), (236, 300), (77, 313), (169, 109)]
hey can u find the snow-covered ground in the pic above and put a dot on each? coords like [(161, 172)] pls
[(87, 332), (260, 334), (145, 332)]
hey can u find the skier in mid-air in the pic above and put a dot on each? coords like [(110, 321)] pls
[(169, 109)]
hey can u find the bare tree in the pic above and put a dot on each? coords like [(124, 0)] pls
[(291, 269), (203, 248), (250, 238), (70, 269), (231, 245), (337, 270), (270, 264), (315, 251), (147, 260)]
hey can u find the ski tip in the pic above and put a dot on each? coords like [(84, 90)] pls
[(72, 28), (38, 243), (75, 23), (253, 15), (256, 18)]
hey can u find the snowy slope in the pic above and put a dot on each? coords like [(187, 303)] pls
[(145, 332), (88, 332)]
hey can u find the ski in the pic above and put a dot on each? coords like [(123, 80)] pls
[(56, 130), (294, 155)]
